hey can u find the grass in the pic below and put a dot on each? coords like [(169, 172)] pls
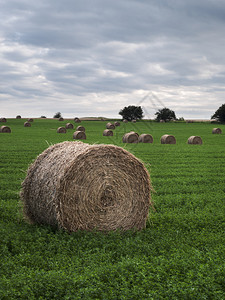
[(181, 253)]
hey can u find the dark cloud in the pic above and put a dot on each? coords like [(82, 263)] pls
[(85, 55)]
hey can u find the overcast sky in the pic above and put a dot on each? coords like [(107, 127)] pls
[(93, 57)]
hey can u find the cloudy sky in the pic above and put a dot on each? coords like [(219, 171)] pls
[(93, 57)]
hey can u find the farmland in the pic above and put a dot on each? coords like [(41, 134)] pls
[(180, 254)]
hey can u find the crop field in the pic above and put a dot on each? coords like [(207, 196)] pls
[(180, 254)]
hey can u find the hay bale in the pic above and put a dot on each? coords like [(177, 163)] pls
[(107, 132), (61, 130), (216, 131), (77, 120), (195, 140), (5, 129), (162, 121), (79, 135), (30, 120), (117, 123), (135, 133), (27, 124), (69, 126), (130, 137), (18, 117), (77, 186), (168, 139), (61, 119), (125, 121), (134, 121), (110, 126), (3, 120), (80, 128), (145, 138)]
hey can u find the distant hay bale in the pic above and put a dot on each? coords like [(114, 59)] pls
[(61, 130), (125, 121), (195, 140), (110, 126), (30, 120), (61, 119), (3, 120), (18, 117), (134, 121), (145, 138), (216, 131), (168, 139), (80, 128), (79, 135), (5, 129), (162, 121), (27, 124), (130, 137), (117, 123), (69, 126), (77, 186), (77, 120), (107, 132)]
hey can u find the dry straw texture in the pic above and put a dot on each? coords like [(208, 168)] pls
[(69, 126), (110, 126), (61, 130), (107, 132), (216, 131), (168, 139), (135, 133), (27, 124), (3, 120), (78, 186), (5, 129), (125, 121), (77, 120), (195, 140), (145, 138), (30, 120), (130, 137), (79, 135), (80, 128), (117, 123)]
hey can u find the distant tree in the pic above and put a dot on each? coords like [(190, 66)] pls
[(219, 115), (165, 114), (57, 115), (131, 112)]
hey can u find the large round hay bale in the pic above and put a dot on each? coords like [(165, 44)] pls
[(110, 126), (79, 135), (117, 123), (18, 117), (27, 124), (130, 137), (168, 139), (5, 129), (77, 120), (30, 120), (61, 130), (145, 138), (3, 120), (80, 128), (195, 140), (77, 186), (107, 132), (125, 121), (69, 126), (216, 131), (61, 119), (135, 133)]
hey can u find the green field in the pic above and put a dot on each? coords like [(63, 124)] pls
[(181, 253)]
